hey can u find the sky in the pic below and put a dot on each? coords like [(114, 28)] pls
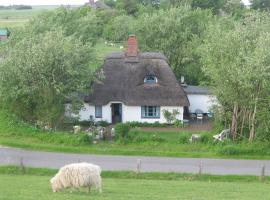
[(53, 2)]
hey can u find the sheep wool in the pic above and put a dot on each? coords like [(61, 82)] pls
[(77, 175)]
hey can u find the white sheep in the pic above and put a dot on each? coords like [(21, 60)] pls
[(77, 175)]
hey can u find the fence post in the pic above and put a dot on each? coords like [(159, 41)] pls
[(22, 167), (139, 166), (262, 177), (200, 168)]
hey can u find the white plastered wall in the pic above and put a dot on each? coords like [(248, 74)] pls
[(129, 113), (202, 102)]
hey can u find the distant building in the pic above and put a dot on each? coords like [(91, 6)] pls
[(4, 33), (97, 4)]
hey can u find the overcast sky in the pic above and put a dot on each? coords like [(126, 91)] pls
[(52, 2)]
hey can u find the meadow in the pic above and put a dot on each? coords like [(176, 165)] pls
[(11, 18), (172, 144), (128, 185)]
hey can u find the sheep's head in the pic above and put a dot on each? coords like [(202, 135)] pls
[(54, 184)]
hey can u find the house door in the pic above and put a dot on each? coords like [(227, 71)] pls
[(116, 112)]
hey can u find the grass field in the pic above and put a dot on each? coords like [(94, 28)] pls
[(36, 186), (13, 18), (171, 144)]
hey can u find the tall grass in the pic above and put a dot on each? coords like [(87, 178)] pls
[(12, 127)]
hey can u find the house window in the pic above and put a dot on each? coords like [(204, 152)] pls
[(150, 111), (150, 79), (98, 111)]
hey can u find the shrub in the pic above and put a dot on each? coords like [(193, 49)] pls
[(206, 138), (139, 139), (230, 150), (170, 116), (184, 138), (156, 138), (85, 139), (178, 123), (135, 124), (121, 131), (103, 123)]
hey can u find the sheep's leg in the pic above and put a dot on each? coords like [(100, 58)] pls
[(89, 189)]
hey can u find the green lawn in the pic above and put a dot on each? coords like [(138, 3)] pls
[(172, 144), (144, 149), (12, 18), (28, 187)]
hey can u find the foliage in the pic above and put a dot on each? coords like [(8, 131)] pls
[(40, 71), (214, 5), (234, 8), (170, 117), (80, 23), (206, 138), (260, 4), (135, 124), (237, 62), (184, 138), (177, 34), (178, 123), (103, 123), (121, 131), (119, 28)]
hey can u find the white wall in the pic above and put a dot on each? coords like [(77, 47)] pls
[(202, 102), (129, 113), (133, 113)]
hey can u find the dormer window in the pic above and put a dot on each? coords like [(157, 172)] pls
[(150, 79)]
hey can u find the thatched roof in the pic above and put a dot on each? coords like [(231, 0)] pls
[(124, 82)]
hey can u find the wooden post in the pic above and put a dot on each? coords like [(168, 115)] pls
[(262, 173), (139, 166), (200, 168), (22, 167)]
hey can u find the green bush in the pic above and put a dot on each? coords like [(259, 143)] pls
[(135, 124), (184, 138), (156, 138), (139, 139), (121, 131), (103, 123), (206, 138), (178, 123), (230, 150)]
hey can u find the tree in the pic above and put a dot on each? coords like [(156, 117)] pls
[(82, 23), (129, 6), (119, 29), (177, 32), (260, 4), (237, 62), (41, 71), (214, 5)]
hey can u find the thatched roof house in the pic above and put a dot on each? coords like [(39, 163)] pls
[(137, 87)]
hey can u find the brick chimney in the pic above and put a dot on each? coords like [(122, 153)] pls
[(132, 49)]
